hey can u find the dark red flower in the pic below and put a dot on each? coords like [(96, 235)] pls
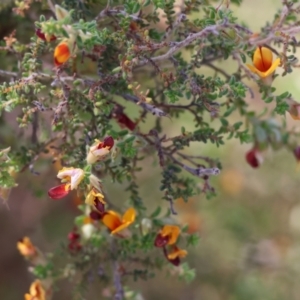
[(94, 215), (297, 153), (174, 256), (133, 26), (99, 206), (125, 121), (108, 142), (59, 191), (74, 247), (254, 158), (42, 36), (161, 241), (175, 261), (74, 244), (73, 236)]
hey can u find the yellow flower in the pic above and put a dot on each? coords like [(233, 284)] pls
[(175, 255), (92, 196), (26, 248), (95, 199), (263, 64), (62, 52), (168, 235), (115, 223), (36, 292), (99, 150), (72, 176)]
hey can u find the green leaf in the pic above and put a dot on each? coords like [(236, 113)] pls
[(229, 111), (282, 96), (193, 240), (260, 134), (243, 57), (156, 213)]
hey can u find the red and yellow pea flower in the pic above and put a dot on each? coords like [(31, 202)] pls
[(44, 36), (117, 224), (174, 256), (36, 292), (26, 248), (99, 150), (62, 52), (71, 178), (96, 199), (168, 235), (263, 64)]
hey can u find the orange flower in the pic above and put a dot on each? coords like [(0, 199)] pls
[(115, 223), (26, 248), (168, 235), (263, 64), (175, 255), (62, 53), (36, 292), (71, 178), (99, 150)]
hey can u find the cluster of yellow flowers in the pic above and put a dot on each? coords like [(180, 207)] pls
[(71, 179), (116, 224)]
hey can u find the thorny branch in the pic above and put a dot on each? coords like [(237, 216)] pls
[(176, 46), (172, 48)]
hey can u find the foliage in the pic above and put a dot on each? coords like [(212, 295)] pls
[(120, 71)]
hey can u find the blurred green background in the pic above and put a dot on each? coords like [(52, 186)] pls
[(250, 233)]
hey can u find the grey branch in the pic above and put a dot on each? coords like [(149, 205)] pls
[(199, 172), (119, 295), (190, 39), (151, 108), (111, 12), (8, 73)]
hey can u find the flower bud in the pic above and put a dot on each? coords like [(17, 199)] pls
[(254, 158), (87, 230), (73, 236), (99, 150), (146, 225), (60, 12)]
